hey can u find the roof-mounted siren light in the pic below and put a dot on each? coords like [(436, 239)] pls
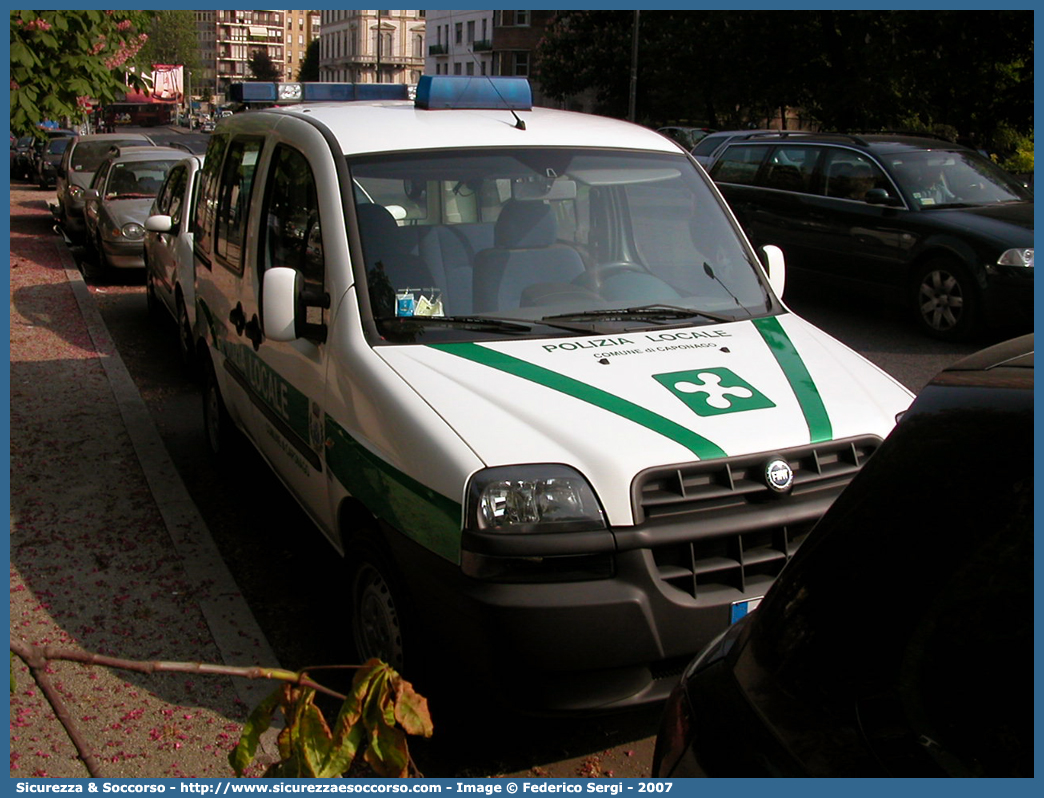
[(443, 92), (260, 92)]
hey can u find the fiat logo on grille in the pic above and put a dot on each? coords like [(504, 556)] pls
[(778, 475)]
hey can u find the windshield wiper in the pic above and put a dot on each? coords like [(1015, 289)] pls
[(643, 312), (466, 322)]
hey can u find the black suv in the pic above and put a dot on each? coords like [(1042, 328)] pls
[(898, 642), (933, 224)]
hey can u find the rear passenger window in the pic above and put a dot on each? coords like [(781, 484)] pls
[(791, 168), (203, 227), (233, 202), (739, 164)]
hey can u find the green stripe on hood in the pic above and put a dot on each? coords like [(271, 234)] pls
[(786, 354), (701, 447)]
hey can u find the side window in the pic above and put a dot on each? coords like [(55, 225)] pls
[(791, 168), (739, 164), (849, 175), (170, 189), (293, 236), (203, 226), (99, 177), (233, 201)]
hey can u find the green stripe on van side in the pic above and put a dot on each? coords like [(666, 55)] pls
[(701, 447), (420, 513), (786, 354)]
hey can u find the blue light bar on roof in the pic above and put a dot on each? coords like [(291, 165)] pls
[(435, 92), (259, 92)]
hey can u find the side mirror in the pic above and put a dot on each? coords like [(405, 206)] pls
[(775, 265), (284, 307), (879, 196), (158, 224), (91, 194)]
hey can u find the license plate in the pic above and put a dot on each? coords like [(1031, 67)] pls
[(741, 608)]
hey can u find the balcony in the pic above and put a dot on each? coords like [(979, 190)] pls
[(481, 46), (438, 49)]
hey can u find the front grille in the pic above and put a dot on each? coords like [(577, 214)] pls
[(743, 532)]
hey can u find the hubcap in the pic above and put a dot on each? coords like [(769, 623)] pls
[(941, 300), (377, 632)]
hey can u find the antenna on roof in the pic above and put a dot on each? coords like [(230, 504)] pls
[(519, 124)]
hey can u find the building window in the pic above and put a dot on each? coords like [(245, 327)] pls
[(456, 69), (470, 70), (458, 33), (471, 31)]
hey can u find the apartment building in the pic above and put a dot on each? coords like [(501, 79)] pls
[(301, 28), (372, 46), (459, 43)]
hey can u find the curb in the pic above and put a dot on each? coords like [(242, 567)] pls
[(232, 625)]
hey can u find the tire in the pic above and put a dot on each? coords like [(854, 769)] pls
[(186, 345), (945, 300), (378, 609), (218, 428), (151, 300)]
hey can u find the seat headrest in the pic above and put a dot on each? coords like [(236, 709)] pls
[(525, 225), (380, 233)]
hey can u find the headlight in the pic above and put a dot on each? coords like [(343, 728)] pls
[(75, 192), (533, 498), (133, 231), (1017, 257)]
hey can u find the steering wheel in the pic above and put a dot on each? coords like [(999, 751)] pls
[(594, 278)]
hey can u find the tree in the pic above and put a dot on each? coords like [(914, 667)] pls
[(309, 69), (262, 68), (172, 40), (61, 60), (966, 72)]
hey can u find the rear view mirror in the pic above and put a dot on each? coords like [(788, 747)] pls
[(544, 189)]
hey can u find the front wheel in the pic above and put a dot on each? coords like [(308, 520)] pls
[(946, 300), (217, 423), (377, 606)]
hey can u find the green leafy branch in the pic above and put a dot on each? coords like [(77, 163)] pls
[(376, 716)]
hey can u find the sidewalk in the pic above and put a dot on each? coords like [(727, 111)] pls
[(108, 553)]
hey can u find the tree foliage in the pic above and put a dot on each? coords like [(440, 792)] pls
[(60, 60), (309, 69), (262, 67), (965, 71), (172, 40)]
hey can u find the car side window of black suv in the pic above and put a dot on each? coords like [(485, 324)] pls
[(740, 164), (792, 169), (850, 175)]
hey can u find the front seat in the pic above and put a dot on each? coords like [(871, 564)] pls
[(524, 252), (390, 266)]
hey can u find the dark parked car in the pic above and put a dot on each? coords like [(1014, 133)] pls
[(686, 136), (21, 157), (931, 224), (710, 146), (899, 640), (47, 159)]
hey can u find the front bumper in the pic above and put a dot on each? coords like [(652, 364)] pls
[(125, 256)]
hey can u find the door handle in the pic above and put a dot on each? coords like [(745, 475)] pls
[(252, 330), (238, 318)]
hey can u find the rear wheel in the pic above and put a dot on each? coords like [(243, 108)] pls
[(946, 300)]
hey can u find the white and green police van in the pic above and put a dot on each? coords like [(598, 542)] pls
[(524, 371)]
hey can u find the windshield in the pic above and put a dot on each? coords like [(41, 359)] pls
[(548, 240), (940, 178), (136, 179)]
